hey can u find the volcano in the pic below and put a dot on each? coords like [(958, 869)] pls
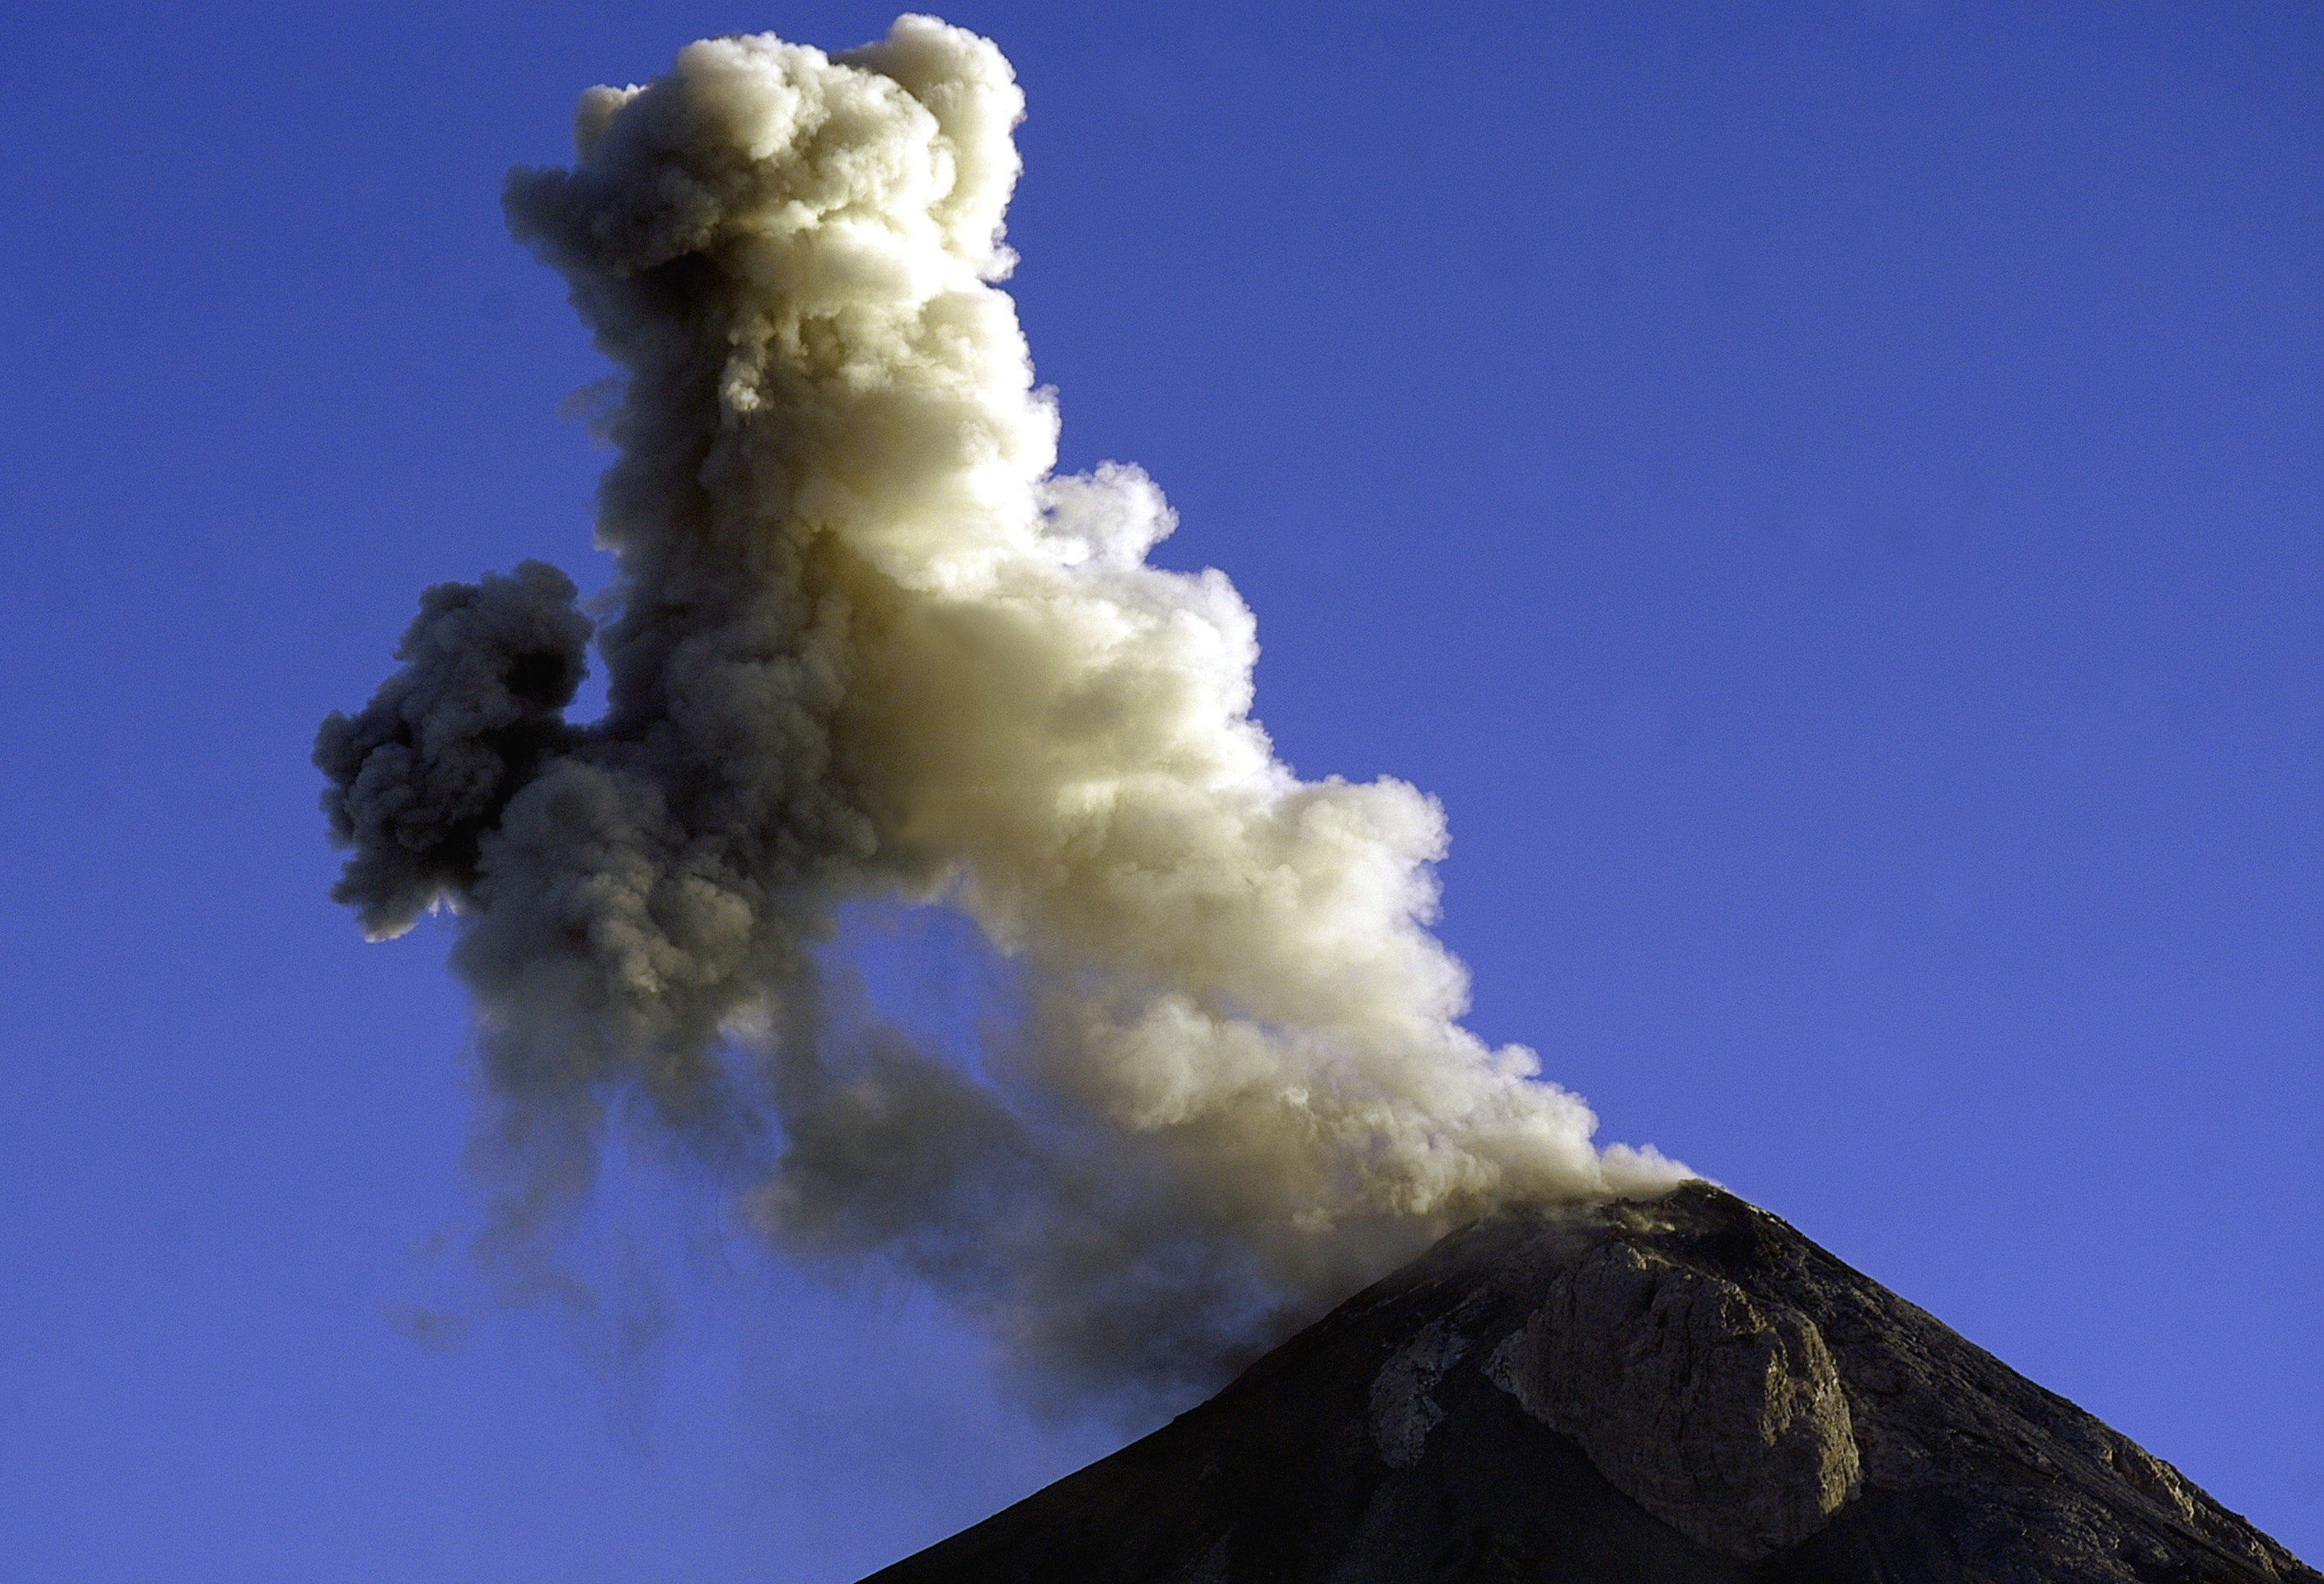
[(1677, 1391)]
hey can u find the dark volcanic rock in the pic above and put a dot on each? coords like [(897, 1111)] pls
[(1680, 1392)]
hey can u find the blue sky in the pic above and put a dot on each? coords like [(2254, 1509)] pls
[(1826, 494)]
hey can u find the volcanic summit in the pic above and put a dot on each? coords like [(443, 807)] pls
[(1682, 1390)]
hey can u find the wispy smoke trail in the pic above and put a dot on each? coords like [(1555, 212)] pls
[(864, 645)]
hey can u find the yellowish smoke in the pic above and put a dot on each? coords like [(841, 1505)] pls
[(866, 645)]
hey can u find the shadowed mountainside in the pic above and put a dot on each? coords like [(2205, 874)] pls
[(1684, 1390)]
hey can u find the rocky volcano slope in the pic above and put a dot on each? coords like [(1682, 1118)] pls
[(1680, 1392)]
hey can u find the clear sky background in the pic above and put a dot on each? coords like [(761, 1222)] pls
[(1826, 493)]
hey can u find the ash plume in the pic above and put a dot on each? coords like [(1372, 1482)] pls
[(864, 645)]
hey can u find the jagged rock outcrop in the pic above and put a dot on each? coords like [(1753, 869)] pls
[(1722, 1417), (1679, 1392)]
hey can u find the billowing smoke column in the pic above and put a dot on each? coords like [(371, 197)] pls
[(864, 645)]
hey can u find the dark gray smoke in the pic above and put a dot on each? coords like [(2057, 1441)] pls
[(865, 646)]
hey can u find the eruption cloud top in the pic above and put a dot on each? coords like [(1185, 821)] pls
[(865, 645)]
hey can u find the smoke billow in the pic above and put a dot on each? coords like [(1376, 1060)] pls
[(864, 645)]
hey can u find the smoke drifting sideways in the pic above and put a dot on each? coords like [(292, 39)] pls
[(864, 645)]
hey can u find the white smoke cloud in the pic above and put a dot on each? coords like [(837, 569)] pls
[(865, 645)]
